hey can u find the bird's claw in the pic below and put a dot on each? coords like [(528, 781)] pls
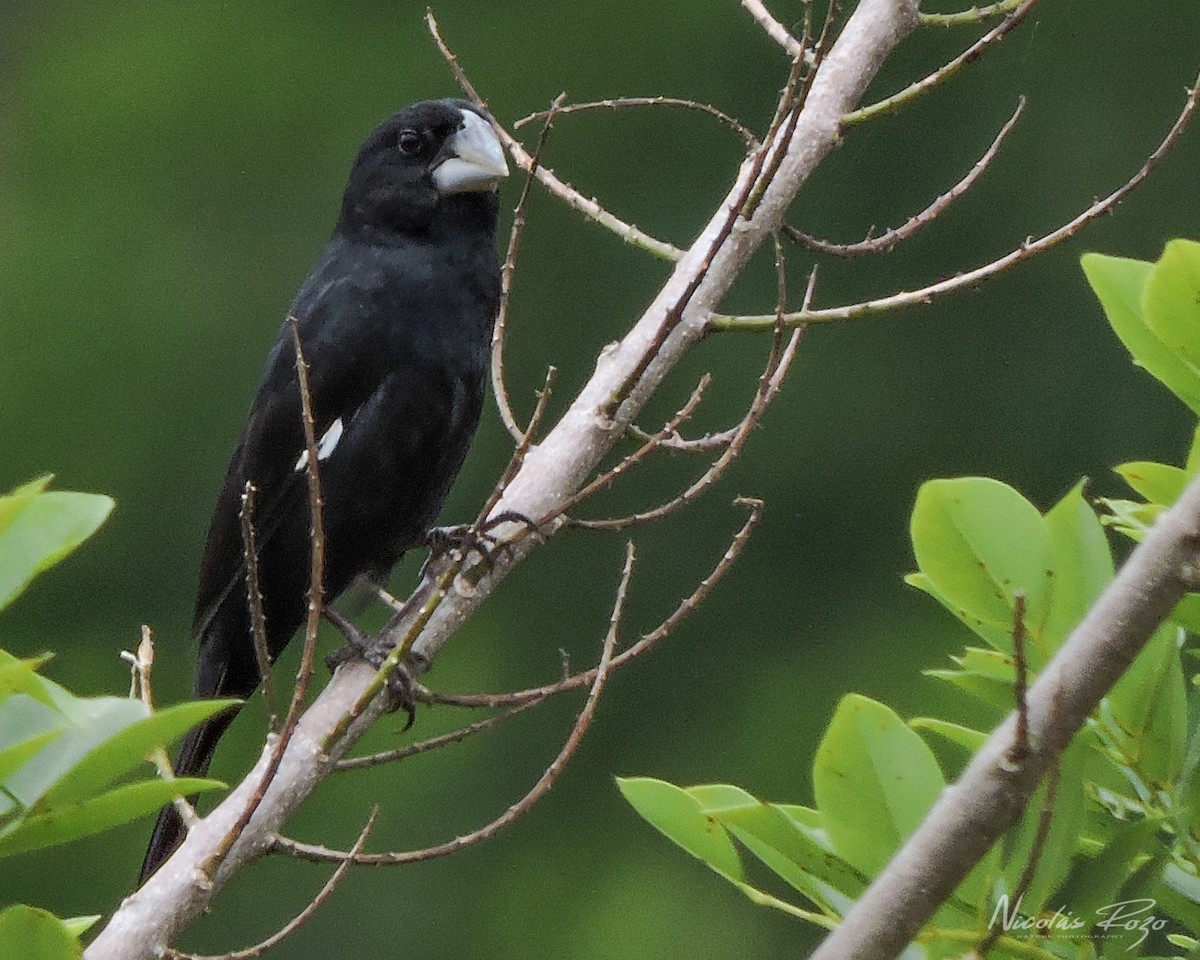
[(402, 688), (467, 538)]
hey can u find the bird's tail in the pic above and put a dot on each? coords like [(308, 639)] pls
[(194, 758)]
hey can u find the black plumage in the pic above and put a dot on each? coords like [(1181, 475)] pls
[(394, 322)]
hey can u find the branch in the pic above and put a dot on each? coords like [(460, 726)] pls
[(500, 327), (309, 911), (967, 17), (992, 792), (306, 851), (773, 28), (254, 598), (630, 370), (889, 239), (648, 641), (617, 103), (944, 73), (142, 670), (1025, 251), (770, 382), (588, 206), (277, 745)]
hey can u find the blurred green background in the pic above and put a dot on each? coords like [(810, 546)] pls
[(168, 172)]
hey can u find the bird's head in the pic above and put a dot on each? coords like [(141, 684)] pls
[(437, 154)]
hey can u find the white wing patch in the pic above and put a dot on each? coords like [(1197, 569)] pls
[(325, 446)]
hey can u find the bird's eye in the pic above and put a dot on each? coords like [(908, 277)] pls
[(410, 142)]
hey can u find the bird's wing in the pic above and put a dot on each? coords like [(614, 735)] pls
[(342, 376)]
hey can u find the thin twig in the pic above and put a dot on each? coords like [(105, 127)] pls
[(968, 17), (943, 73), (1036, 849), (617, 103), (1025, 251), (778, 364), (762, 166), (540, 789), (433, 743), (254, 597), (523, 445), (499, 389), (316, 596), (309, 911), (1020, 747), (889, 240), (773, 28), (609, 477), (140, 685), (589, 207), (787, 115), (648, 641)]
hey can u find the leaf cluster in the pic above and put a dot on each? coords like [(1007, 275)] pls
[(66, 762), (1105, 861)]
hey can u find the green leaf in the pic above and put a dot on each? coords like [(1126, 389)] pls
[(775, 838), (1121, 935), (1081, 562), (129, 748), (1171, 301), (1149, 703), (717, 797), (1119, 284), (986, 674), (78, 926), (1131, 517), (27, 933), (89, 722), (120, 805), (681, 819), (1187, 613), (20, 676), (966, 737), (980, 542), (874, 781), (38, 529), (12, 504), (1178, 894), (1157, 482), (995, 635), (1192, 467), (16, 756)]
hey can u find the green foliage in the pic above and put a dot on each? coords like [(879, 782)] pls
[(38, 527), (1117, 862), (27, 933), (64, 759)]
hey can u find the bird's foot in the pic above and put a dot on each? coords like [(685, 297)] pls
[(358, 646), (467, 538)]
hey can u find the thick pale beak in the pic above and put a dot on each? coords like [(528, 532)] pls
[(475, 158)]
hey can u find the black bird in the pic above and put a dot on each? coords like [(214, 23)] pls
[(394, 322)]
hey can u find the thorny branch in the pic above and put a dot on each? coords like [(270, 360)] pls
[(644, 645), (258, 620), (1026, 251), (316, 592), (617, 103), (309, 911), (890, 239), (499, 389), (779, 362), (539, 789), (971, 55)]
